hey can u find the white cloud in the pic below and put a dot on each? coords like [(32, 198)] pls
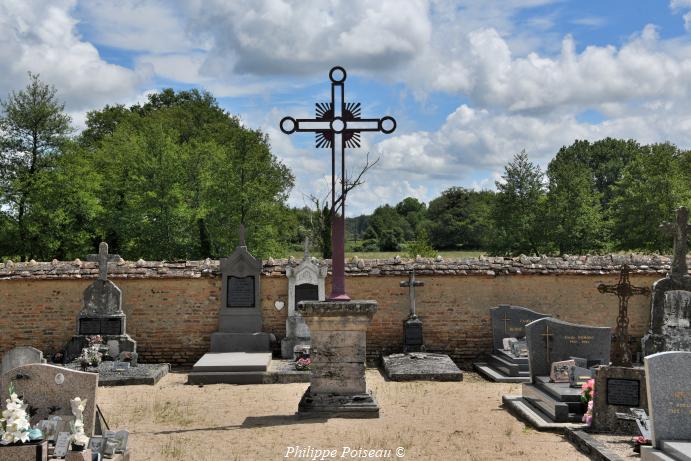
[(41, 37), (676, 5), (590, 21)]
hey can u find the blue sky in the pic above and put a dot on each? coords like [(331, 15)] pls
[(470, 83)]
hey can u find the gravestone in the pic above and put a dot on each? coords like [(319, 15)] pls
[(617, 390), (240, 316), (337, 376), (22, 355), (101, 312), (240, 351), (550, 340), (668, 380), (48, 389), (670, 313), (305, 283), (508, 364), (412, 326)]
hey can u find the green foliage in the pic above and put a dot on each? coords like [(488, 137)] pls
[(652, 186), (519, 209), (460, 218), (573, 206), (421, 246), (390, 239)]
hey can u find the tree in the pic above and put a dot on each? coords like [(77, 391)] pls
[(33, 127), (573, 206), (518, 211), (460, 218), (652, 186)]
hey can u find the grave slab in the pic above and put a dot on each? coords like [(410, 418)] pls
[(421, 366), (230, 368)]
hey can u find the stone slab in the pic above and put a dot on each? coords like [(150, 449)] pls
[(32, 451), (279, 372), (551, 340), (649, 453), (337, 406), (590, 446), (421, 366), (142, 374), (44, 386), (552, 407), (497, 376), (623, 381), (668, 386), (18, 356), (677, 449), (520, 408), (240, 342), (233, 361)]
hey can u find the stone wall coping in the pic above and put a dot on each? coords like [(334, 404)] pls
[(397, 266)]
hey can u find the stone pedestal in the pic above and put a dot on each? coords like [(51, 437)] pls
[(618, 389), (337, 379), (31, 451)]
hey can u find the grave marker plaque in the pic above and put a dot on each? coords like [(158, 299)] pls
[(625, 392), (306, 292), (88, 326), (241, 291)]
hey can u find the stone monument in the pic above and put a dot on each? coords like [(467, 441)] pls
[(101, 313), (22, 355), (339, 346), (670, 314), (508, 362), (668, 378), (412, 326), (305, 283), (545, 403), (240, 351)]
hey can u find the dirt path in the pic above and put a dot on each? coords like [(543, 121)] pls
[(428, 421)]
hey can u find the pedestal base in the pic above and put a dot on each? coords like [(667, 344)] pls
[(339, 406)]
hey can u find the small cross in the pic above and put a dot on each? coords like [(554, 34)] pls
[(547, 335), (680, 230), (241, 231), (103, 261), (505, 319), (411, 283)]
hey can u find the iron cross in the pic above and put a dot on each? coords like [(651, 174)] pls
[(621, 356), (411, 283), (680, 230), (103, 261), (338, 125)]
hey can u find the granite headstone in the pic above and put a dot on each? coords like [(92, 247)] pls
[(22, 355), (510, 321), (550, 340)]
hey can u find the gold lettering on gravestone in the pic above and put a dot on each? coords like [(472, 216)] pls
[(578, 339), (681, 407)]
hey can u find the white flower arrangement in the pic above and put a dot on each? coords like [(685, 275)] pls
[(78, 436), (14, 425)]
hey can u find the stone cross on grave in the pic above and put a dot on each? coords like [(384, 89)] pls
[(103, 261), (506, 319), (680, 230), (241, 231), (411, 283), (621, 356), (547, 335), (338, 125)]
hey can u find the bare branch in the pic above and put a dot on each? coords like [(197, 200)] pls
[(352, 184)]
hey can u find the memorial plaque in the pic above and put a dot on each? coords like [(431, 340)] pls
[(306, 292), (578, 376), (111, 326), (240, 291), (624, 392), (89, 326)]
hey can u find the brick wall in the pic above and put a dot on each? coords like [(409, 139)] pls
[(171, 318)]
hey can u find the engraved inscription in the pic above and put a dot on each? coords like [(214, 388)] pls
[(240, 291), (578, 339), (625, 392), (682, 403)]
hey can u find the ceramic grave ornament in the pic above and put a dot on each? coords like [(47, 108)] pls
[(305, 283)]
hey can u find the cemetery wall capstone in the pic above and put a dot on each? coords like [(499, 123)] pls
[(172, 308)]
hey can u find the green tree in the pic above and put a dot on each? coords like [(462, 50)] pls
[(33, 128), (652, 186), (519, 207), (460, 218), (573, 206)]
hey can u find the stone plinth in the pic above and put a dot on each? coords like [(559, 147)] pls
[(618, 389), (337, 378), (31, 451)]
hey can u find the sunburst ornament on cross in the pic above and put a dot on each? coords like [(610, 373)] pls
[(338, 125)]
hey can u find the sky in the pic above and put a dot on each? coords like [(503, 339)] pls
[(469, 82)]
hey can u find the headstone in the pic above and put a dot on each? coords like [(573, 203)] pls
[(670, 313), (22, 355), (101, 313), (240, 316), (510, 321), (305, 283), (618, 389), (668, 381), (48, 389), (550, 340), (337, 375), (412, 326)]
